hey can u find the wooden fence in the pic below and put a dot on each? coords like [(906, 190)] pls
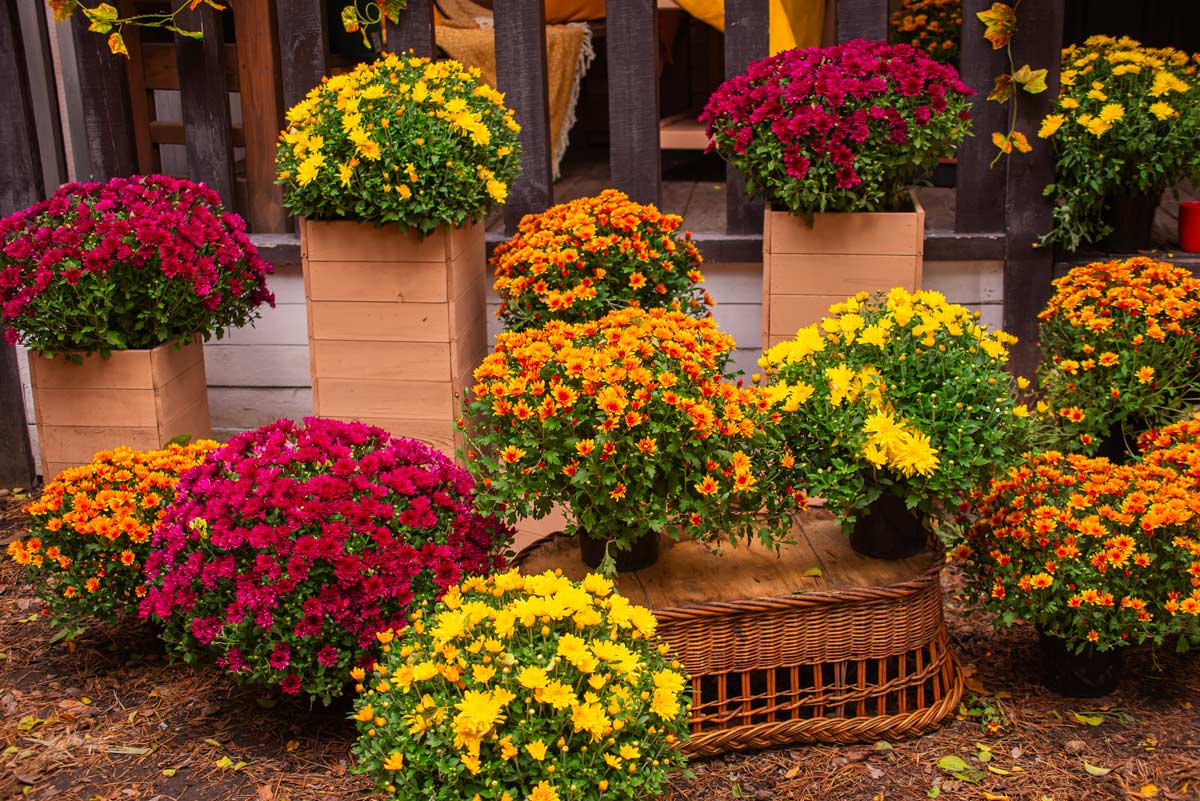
[(999, 211)]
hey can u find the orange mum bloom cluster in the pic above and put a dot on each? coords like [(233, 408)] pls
[(1121, 340), (579, 260), (1176, 446), (629, 421), (1091, 552), (90, 530)]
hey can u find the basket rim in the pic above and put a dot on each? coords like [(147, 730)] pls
[(767, 604)]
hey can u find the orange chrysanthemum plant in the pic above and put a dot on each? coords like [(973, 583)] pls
[(1176, 446), (90, 530), (630, 423), (1097, 554), (580, 260), (1120, 341)]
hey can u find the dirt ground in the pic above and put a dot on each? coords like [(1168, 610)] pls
[(114, 718)]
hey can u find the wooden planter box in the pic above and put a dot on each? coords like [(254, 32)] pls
[(815, 644), (139, 398), (396, 324), (806, 270)]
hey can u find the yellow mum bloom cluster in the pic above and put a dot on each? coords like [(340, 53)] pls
[(901, 391), (90, 529), (1125, 122), (403, 139), (523, 688)]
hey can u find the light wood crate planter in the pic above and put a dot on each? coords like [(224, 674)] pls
[(806, 270), (139, 398), (396, 324), (854, 651)]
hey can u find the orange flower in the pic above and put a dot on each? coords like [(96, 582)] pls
[(646, 445), (511, 454), (708, 486)]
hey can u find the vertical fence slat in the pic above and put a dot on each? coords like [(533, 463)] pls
[(302, 47), (20, 185), (414, 30), (258, 83), (1027, 268), (862, 19), (43, 91), (984, 186), (104, 94), (521, 75), (746, 40), (632, 43), (204, 99)]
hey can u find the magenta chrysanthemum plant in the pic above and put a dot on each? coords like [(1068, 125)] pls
[(294, 545), (842, 128), (132, 263)]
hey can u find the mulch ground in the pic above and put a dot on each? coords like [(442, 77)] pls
[(111, 716)]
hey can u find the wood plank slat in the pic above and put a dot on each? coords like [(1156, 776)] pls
[(383, 322), (521, 73), (160, 68), (862, 19), (207, 134), (1028, 268), (984, 185), (413, 30), (141, 105), (168, 132), (747, 26), (104, 91), (303, 47), (262, 112), (632, 53)]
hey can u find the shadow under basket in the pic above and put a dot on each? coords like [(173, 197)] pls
[(779, 655)]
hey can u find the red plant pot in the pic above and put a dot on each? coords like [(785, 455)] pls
[(1189, 225)]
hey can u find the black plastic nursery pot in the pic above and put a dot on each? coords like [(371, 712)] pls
[(641, 554), (1087, 674), (889, 530), (1132, 221)]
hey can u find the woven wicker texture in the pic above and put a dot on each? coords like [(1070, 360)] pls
[(839, 664)]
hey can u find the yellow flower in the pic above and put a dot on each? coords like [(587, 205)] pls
[(1145, 375), (1050, 125), (543, 792), (395, 761), (1163, 110), (532, 678), (497, 190), (536, 749), (1069, 103), (345, 173), (1020, 411), (1112, 112), (308, 169)]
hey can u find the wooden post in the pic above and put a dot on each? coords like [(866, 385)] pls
[(43, 91), (262, 112), (302, 47), (20, 186), (413, 31), (746, 40), (521, 75), (104, 93), (983, 185), (207, 129), (862, 19), (1028, 268), (634, 155)]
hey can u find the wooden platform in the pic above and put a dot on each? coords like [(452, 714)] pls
[(687, 573)]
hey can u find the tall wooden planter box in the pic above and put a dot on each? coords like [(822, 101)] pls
[(396, 324), (139, 398), (806, 270)]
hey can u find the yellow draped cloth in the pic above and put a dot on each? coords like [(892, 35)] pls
[(794, 23)]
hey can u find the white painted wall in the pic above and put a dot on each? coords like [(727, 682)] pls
[(259, 374)]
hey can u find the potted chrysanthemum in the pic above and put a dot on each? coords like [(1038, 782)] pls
[(630, 423), (112, 287), (831, 138), (392, 168), (892, 410)]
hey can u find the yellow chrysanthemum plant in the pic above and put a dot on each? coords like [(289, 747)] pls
[(90, 531), (892, 410), (523, 688), (1120, 341), (1125, 123), (401, 140), (631, 425)]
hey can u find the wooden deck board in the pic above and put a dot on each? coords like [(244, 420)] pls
[(689, 573)]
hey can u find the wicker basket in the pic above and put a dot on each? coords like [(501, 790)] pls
[(846, 665)]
